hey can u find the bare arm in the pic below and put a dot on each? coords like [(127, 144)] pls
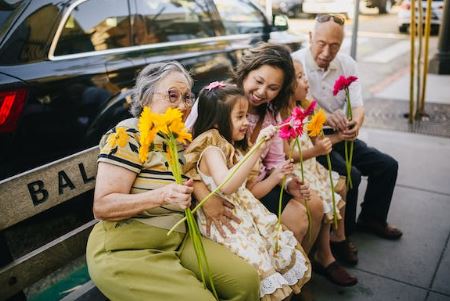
[(213, 164), (262, 188), (113, 201)]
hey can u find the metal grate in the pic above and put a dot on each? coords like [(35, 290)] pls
[(390, 114)]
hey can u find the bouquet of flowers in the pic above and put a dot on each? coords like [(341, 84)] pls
[(170, 126), (343, 83)]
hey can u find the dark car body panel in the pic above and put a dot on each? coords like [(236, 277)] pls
[(73, 99)]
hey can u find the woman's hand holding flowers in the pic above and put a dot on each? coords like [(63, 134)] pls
[(177, 194)]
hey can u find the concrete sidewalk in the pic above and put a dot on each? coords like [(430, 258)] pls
[(417, 267)]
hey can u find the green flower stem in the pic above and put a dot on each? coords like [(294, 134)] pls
[(297, 142), (193, 230), (199, 249), (206, 264), (332, 191), (228, 178), (308, 211), (280, 202), (348, 162), (349, 144)]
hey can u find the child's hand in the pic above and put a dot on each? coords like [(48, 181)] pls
[(299, 190), (267, 133), (323, 146), (282, 170)]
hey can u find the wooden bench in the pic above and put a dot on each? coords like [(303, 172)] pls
[(45, 220)]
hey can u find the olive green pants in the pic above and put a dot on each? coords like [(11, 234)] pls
[(133, 261)]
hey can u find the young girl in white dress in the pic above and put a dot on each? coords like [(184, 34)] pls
[(220, 140), (317, 177)]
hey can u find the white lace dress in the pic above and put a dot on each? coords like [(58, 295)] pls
[(281, 272), (318, 179)]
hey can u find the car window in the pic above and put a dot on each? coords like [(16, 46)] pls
[(95, 25), (175, 20), (239, 17), (30, 38)]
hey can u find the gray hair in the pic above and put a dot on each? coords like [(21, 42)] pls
[(147, 80)]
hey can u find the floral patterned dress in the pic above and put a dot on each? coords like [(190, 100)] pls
[(319, 180), (281, 272)]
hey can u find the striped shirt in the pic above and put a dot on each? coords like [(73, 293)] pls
[(120, 147)]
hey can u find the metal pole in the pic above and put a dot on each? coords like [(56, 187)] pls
[(419, 55), (355, 31), (269, 11), (412, 32), (421, 109), (440, 63)]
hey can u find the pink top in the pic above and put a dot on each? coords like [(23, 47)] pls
[(274, 155)]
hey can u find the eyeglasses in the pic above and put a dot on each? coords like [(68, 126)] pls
[(326, 17), (174, 96)]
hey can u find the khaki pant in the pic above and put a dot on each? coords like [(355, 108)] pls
[(130, 260)]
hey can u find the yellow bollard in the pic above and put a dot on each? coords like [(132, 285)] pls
[(421, 108), (419, 54), (412, 32)]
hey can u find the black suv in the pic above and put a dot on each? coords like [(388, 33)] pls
[(66, 66)]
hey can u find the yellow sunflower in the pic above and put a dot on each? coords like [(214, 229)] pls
[(315, 125), (172, 115), (147, 132), (120, 138), (178, 129)]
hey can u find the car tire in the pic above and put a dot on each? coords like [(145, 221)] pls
[(404, 28)]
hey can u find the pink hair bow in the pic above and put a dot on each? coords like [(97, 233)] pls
[(215, 85)]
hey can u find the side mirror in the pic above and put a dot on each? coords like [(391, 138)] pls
[(280, 23)]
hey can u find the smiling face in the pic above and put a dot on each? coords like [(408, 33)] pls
[(262, 85), (239, 122), (301, 83), (171, 92), (326, 42)]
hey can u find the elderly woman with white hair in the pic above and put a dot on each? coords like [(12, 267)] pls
[(129, 255)]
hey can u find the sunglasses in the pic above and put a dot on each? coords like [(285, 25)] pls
[(174, 96), (327, 17)]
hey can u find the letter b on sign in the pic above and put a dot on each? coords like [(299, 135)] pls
[(37, 192)]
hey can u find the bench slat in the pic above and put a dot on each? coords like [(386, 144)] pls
[(37, 190), (26, 270), (87, 292)]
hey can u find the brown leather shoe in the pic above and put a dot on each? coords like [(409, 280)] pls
[(383, 230), (335, 273), (345, 251)]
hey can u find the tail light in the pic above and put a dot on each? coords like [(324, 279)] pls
[(11, 106), (406, 5)]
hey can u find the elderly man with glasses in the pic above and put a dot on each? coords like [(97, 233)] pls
[(323, 64)]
